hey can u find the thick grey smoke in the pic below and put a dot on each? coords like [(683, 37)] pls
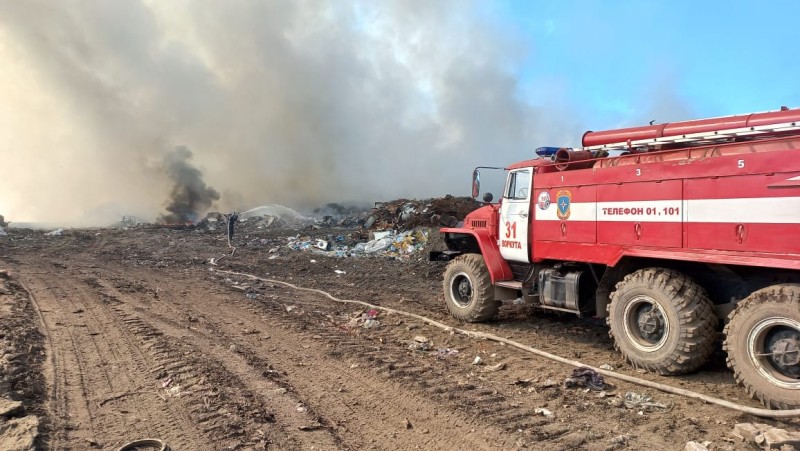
[(189, 196), (293, 102)]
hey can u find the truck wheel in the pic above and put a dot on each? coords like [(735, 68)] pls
[(762, 340), (662, 321), (468, 289)]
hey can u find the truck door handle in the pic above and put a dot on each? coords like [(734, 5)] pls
[(524, 215)]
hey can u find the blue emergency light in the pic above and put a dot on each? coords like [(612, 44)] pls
[(546, 151)]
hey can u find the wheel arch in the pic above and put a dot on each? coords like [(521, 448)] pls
[(470, 241)]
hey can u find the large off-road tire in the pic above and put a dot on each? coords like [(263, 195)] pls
[(762, 340), (662, 321), (468, 289)]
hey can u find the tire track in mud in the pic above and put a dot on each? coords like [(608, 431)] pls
[(214, 389), (361, 403), (388, 355), (101, 390)]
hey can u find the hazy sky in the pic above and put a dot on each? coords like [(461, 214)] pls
[(304, 102)]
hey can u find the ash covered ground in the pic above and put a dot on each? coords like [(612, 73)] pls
[(120, 333)]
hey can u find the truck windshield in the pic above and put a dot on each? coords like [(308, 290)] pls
[(518, 184)]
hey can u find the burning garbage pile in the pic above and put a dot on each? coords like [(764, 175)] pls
[(189, 194)]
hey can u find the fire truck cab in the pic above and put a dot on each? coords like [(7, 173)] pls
[(672, 232)]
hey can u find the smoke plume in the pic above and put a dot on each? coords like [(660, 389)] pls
[(291, 102), (189, 196)]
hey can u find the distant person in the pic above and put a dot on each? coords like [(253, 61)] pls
[(232, 218)]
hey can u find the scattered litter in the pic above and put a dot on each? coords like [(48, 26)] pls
[(478, 360), (370, 323), (419, 346), (366, 320), (443, 353), (232, 348), (606, 367), (340, 272), (289, 308), (500, 366), (585, 377), (175, 390), (301, 408), (313, 261), (542, 411), (642, 402), (766, 436), (251, 295), (57, 232), (166, 383), (2, 232), (389, 243), (549, 383), (272, 257), (311, 427)]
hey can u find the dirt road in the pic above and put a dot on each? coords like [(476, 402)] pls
[(144, 338)]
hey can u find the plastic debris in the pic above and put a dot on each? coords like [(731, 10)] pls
[(340, 272), (606, 367), (366, 320), (388, 243), (57, 232), (642, 402), (419, 346), (175, 390), (542, 411), (478, 360), (443, 353), (585, 377)]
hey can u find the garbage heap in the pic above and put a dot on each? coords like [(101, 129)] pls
[(404, 214), (394, 229), (389, 243)]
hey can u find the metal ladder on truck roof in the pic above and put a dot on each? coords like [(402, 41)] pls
[(709, 137)]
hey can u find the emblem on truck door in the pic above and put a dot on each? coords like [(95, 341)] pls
[(563, 199), (544, 200)]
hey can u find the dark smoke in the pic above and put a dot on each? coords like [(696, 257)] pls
[(189, 196), (293, 102)]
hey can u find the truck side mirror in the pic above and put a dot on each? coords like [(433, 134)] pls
[(488, 197), (476, 184)]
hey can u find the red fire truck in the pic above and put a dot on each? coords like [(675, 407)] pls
[(668, 231)]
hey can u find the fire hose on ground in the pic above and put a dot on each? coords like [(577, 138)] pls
[(759, 412)]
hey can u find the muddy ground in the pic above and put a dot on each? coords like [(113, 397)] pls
[(132, 333)]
